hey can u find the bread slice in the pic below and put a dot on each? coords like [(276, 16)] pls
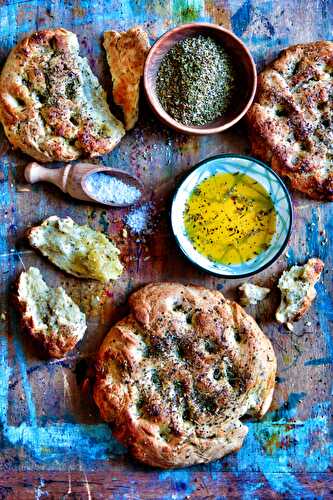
[(78, 250), (298, 291), (126, 54), (49, 314), (252, 294)]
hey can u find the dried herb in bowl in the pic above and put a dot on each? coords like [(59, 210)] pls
[(196, 81)]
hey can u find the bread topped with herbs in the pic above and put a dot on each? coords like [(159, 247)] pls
[(298, 290), (48, 314), (291, 120), (176, 376), (126, 54), (76, 249), (52, 106)]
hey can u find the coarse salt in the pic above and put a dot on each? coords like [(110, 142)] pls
[(137, 220), (109, 189)]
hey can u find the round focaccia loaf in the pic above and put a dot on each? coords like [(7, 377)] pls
[(49, 314), (175, 377), (52, 106), (291, 121)]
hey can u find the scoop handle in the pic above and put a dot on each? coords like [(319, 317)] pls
[(34, 172)]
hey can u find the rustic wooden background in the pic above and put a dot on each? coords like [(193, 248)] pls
[(53, 443)]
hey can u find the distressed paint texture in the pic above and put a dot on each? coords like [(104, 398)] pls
[(47, 416)]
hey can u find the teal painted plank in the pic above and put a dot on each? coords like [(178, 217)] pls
[(47, 424)]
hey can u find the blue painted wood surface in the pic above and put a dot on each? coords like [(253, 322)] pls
[(47, 417)]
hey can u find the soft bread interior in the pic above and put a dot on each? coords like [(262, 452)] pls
[(51, 309), (94, 104), (294, 288), (252, 294), (76, 249)]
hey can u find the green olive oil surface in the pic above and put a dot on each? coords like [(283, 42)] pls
[(230, 218)]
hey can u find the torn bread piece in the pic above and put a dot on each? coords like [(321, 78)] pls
[(252, 294), (78, 250), (49, 314), (298, 291), (126, 54)]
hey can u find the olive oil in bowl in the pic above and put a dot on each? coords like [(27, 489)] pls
[(230, 218)]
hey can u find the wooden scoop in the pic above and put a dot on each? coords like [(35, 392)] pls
[(72, 179)]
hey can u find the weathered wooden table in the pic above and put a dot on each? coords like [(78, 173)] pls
[(52, 441)]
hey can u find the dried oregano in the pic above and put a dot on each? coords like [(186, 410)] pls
[(196, 81)]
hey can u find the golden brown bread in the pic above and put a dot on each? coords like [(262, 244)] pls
[(175, 377), (49, 314), (298, 290), (291, 120), (52, 107), (126, 54)]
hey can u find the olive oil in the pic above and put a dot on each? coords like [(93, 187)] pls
[(230, 218)]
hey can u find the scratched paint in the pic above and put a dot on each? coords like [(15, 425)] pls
[(281, 435), (295, 436), (49, 443), (187, 11)]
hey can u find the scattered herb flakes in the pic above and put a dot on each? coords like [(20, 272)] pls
[(196, 81)]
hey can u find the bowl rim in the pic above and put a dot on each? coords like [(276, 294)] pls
[(159, 110), (290, 209)]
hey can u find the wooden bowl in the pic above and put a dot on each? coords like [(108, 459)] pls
[(246, 76)]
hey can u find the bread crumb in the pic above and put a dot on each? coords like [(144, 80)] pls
[(252, 294)]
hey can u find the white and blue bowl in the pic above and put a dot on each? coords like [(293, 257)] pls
[(232, 163)]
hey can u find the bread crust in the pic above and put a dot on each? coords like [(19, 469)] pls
[(52, 107), (126, 54), (312, 271), (290, 122), (54, 343), (176, 375)]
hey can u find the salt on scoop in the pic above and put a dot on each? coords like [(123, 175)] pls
[(109, 189)]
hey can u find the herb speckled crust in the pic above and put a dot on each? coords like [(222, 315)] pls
[(175, 377), (291, 120), (52, 107), (126, 53)]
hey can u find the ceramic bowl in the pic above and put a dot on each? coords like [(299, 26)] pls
[(232, 163), (244, 63)]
